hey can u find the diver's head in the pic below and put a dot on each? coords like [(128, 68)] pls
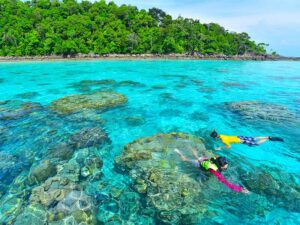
[(214, 134), (222, 162)]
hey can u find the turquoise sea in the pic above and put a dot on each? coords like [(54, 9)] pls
[(249, 98)]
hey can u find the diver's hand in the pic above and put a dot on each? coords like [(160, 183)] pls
[(245, 191)]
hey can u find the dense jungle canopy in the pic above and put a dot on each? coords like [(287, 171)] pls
[(68, 27)]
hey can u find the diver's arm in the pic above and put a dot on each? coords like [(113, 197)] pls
[(233, 187)]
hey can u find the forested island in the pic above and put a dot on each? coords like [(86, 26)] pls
[(68, 27)]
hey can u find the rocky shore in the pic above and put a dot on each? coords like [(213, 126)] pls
[(147, 56)]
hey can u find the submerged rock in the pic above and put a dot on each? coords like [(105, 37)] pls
[(199, 116), (227, 84), (96, 100), (78, 218), (254, 110), (10, 207), (61, 151), (69, 170), (197, 82), (93, 162), (135, 120), (181, 85), (12, 110), (167, 96), (52, 191), (278, 187), (27, 95), (7, 160), (62, 195), (130, 83), (42, 171), (158, 87), (96, 82), (92, 166), (10, 104), (174, 76), (129, 204), (88, 85), (84, 172), (19, 185), (151, 163), (85, 116), (4, 133), (3, 189), (74, 201), (89, 137), (34, 214), (205, 89), (76, 208), (10, 167)]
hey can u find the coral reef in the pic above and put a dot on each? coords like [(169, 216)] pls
[(135, 120), (27, 95), (74, 201), (206, 89), (88, 85), (150, 163), (86, 115), (274, 189), (52, 191), (88, 137), (10, 207), (199, 116), (255, 110), (227, 85), (34, 214), (61, 151), (44, 170), (96, 100), (130, 83), (158, 87), (12, 109), (62, 195), (11, 166)]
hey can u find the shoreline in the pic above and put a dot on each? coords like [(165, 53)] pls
[(146, 56)]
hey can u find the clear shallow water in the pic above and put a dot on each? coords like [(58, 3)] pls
[(186, 96)]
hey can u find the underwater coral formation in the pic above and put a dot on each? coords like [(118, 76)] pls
[(255, 110), (50, 189), (168, 189), (96, 100), (13, 109)]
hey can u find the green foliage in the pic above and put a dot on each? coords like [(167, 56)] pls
[(68, 27)]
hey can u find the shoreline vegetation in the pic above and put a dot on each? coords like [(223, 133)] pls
[(174, 56), (82, 30), (56, 29)]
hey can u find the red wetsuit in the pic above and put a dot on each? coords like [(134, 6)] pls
[(220, 177)]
